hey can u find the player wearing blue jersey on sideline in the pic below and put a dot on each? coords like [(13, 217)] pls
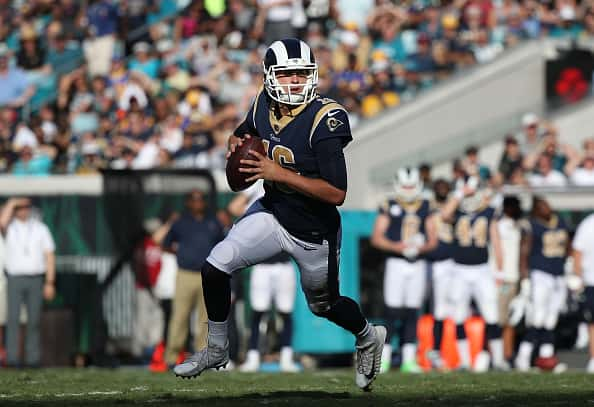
[(475, 227), (544, 249), (305, 179), (404, 230), (441, 271)]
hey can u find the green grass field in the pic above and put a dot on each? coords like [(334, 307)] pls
[(125, 387)]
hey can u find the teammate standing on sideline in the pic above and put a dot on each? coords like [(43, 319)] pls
[(273, 279), (583, 266), (404, 230), (441, 271), (474, 228), (305, 180), (544, 249)]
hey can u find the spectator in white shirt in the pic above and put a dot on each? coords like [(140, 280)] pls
[(277, 15), (30, 269), (546, 175), (581, 169), (583, 266)]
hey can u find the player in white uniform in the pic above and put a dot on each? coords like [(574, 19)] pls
[(583, 266), (271, 280), (404, 230)]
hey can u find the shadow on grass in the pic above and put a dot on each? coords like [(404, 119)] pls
[(326, 399)]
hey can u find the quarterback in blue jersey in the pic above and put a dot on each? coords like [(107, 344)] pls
[(475, 227), (544, 250), (305, 179), (403, 230)]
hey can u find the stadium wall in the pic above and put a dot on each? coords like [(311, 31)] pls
[(474, 100)]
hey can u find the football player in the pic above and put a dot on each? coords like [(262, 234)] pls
[(472, 278), (305, 180), (273, 279), (441, 271), (403, 230), (543, 252), (583, 268)]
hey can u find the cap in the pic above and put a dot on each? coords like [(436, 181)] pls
[(152, 224), (529, 119), (28, 32), (567, 13), (164, 45), (450, 21), (349, 38), (90, 149), (141, 47), (379, 66)]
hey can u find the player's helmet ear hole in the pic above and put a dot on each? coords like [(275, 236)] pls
[(287, 57)]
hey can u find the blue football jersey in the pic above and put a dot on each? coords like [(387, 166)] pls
[(406, 219), (471, 236), (445, 243), (291, 142), (549, 245)]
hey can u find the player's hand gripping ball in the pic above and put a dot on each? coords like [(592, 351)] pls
[(235, 178)]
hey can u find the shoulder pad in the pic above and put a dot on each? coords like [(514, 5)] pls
[(333, 114)]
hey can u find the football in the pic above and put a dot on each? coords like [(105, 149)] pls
[(546, 364), (235, 178)]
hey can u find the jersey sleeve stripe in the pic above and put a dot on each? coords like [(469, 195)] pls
[(320, 115), (255, 107)]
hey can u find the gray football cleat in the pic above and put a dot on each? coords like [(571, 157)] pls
[(368, 360), (211, 357)]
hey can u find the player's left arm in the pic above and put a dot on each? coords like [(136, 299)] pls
[(432, 239), (496, 242)]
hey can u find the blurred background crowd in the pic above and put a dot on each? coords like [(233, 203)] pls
[(87, 85)]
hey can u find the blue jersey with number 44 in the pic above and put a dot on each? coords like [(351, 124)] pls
[(471, 236)]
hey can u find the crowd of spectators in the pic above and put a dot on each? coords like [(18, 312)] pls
[(534, 157), (111, 84)]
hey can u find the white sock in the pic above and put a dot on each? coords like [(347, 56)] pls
[(546, 350), (525, 351), (366, 335), (496, 348), (286, 355), (217, 333), (387, 353), (252, 356), (463, 352), (590, 367), (409, 353)]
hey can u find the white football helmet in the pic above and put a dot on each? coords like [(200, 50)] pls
[(290, 54), (408, 184), (471, 203)]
